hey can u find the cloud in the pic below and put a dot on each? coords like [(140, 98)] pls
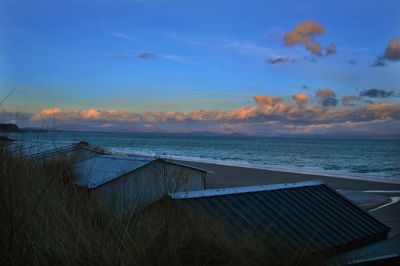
[(305, 87), (304, 33), (266, 115), (125, 57), (149, 55), (146, 55), (300, 98), (176, 58), (347, 100), (280, 111), (352, 62), (376, 93), (243, 47), (125, 36), (280, 59), (336, 126), (169, 57), (326, 97), (48, 112), (121, 35), (331, 49), (91, 113), (392, 53), (150, 128), (379, 62), (86, 114), (268, 100)]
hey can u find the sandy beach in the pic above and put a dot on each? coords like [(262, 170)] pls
[(376, 197)]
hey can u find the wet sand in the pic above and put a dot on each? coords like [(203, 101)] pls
[(232, 176)]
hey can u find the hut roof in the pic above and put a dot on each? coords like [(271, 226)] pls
[(378, 253), (303, 214), (102, 169), (105, 168), (38, 149)]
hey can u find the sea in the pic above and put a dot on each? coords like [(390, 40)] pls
[(358, 158)]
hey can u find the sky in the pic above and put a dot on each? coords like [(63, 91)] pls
[(231, 67)]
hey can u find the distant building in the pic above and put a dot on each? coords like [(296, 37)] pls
[(125, 185), (294, 217)]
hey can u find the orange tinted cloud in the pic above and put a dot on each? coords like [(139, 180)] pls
[(272, 114), (304, 33), (91, 113), (50, 111), (300, 98), (269, 100), (279, 112), (392, 51), (325, 93), (382, 110), (47, 112), (348, 99), (326, 97), (243, 113)]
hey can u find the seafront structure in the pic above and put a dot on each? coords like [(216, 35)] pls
[(295, 217), (123, 184), (126, 184), (52, 151)]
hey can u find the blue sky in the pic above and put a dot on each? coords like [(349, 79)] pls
[(180, 56)]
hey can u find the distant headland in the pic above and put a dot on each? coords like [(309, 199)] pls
[(9, 128)]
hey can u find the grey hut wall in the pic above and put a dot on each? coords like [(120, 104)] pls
[(140, 188)]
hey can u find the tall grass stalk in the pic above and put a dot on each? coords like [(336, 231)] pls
[(44, 220)]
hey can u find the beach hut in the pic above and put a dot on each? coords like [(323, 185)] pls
[(126, 184), (384, 252), (297, 217), (45, 152)]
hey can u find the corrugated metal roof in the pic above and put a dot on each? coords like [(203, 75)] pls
[(305, 214), (28, 148), (37, 149), (101, 169), (239, 190), (375, 252)]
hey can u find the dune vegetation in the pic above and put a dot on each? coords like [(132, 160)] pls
[(47, 221)]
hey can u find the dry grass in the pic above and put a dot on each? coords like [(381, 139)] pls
[(45, 220)]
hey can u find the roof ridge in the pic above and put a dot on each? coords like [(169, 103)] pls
[(241, 190)]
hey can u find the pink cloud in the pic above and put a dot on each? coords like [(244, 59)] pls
[(48, 112), (300, 98), (269, 100), (284, 111), (91, 113), (269, 113)]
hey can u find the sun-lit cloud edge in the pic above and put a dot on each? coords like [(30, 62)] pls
[(302, 114)]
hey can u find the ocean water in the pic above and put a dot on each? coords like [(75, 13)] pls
[(362, 158)]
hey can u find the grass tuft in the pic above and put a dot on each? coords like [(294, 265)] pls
[(44, 220)]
